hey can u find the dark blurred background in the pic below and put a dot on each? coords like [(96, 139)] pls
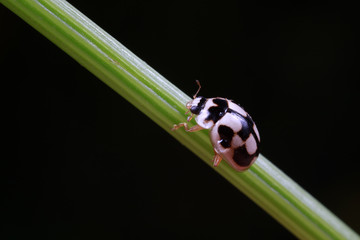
[(87, 164)]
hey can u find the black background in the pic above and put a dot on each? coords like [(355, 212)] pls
[(87, 164)]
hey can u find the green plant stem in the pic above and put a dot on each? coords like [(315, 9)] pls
[(161, 101)]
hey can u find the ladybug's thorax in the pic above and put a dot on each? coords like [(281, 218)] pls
[(208, 110)]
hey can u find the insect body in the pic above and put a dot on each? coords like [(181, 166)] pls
[(233, 133)]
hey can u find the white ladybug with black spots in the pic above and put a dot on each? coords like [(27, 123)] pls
[(233, 133)]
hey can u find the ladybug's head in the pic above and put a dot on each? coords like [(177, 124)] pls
[(196, 105)]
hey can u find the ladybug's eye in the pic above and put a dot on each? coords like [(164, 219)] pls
[(195, 109)]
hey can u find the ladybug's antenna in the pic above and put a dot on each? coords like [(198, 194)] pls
[(198, 83)]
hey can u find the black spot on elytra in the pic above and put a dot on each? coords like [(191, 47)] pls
[(226, 134), (196, 109), (247, 126), (217, 112), (242, 157), (221, 103), (245, 131)]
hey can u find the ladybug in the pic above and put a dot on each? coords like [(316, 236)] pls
[(233, 133)]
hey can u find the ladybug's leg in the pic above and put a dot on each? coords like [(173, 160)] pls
[(216, 160), (190, 117), (192, 129)]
